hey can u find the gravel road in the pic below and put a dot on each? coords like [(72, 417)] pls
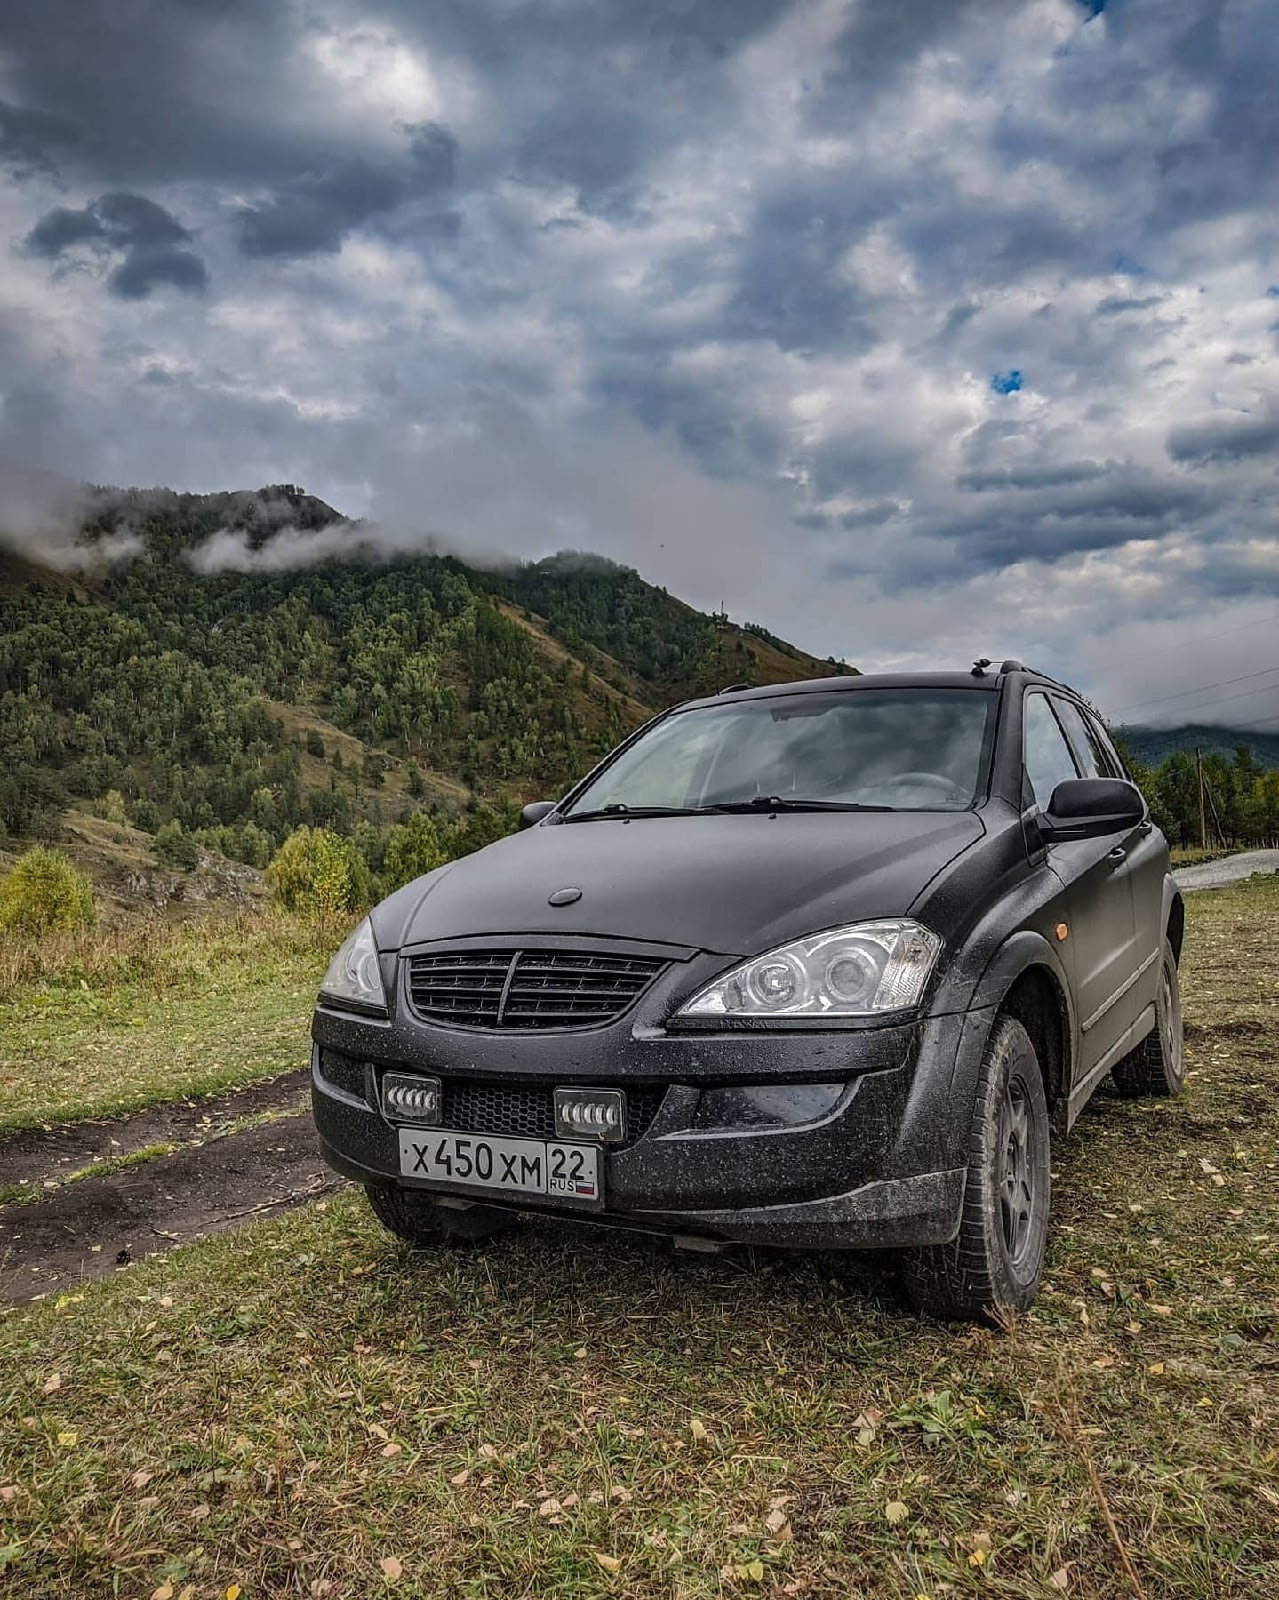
[(1229, 869)]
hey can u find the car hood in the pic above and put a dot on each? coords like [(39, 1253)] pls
[(732, 884)]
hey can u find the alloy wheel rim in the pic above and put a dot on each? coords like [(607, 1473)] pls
[(1017, 1176), (1168, 1020)]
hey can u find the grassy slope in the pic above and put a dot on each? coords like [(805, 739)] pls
[(121, 1021), (287, 1407)]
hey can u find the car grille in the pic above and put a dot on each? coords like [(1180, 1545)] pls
[(528, 1111), (526, 989)]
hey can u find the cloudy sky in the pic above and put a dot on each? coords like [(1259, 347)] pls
[(913, 329)]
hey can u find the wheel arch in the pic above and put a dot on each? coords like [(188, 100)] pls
[(1175, 923), (1025, 980)]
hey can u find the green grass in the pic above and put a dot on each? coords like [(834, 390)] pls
[(287, 1407), (100, 1024)]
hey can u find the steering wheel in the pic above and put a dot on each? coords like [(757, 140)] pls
[(929, 780)]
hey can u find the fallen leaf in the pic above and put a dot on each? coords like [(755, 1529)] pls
[(609, 1563), (52, 1383), (69, 1439), (569, 1501), (392, 1568), (977, 1558), (392, 1449), (8, 1491), (896, 1511), (378, 1431), (981, 1540), (1155, 1369), (549, 1507), (775, 1521), (233, 1591), (488, 1452), (164, 1592), (140, 1478), (751, 1569), (1060, 1579), (698, 1429), (459, 1478)]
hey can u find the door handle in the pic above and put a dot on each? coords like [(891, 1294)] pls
[(1117, 856), (1146, 827)]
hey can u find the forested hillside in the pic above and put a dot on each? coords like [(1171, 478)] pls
[(228, 707)]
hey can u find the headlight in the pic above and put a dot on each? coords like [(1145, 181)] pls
[(354, 977), (859, 971)]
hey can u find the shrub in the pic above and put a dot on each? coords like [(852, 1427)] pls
[(317, 871), (175, 846), (314, 743), (45, 890), (113, 807)]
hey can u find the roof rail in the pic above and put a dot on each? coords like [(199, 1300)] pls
[(1012, 665), (732, 688)]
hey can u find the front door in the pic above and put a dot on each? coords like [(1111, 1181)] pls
[(1098, 893)]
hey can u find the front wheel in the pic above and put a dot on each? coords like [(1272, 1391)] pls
[(418, 1219), (1158, 1065), (991, 1268)]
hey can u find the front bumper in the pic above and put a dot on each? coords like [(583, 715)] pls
[(830, 1139)]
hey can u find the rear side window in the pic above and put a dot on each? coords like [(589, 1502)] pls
[(1048, 758), (1092, 750)]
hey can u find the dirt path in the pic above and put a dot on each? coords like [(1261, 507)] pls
[(32, 1155), (97, 1226), (1227, 869)]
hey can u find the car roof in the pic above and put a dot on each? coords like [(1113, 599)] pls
[(990, 680)]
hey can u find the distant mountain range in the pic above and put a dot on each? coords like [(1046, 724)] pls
[(1151, 746)]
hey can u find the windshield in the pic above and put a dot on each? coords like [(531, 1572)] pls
[(883, 749)]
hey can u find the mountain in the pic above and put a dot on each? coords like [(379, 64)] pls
[(163, 684), (1152, 746)]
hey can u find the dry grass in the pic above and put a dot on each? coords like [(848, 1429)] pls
[(563, 1413), (104, 1021)]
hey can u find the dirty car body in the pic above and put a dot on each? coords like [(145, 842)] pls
[(741, 984)]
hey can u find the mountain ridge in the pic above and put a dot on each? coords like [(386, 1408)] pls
[(348, 692)]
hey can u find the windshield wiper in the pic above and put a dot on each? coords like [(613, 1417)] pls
[(772, 802), (618, 809)]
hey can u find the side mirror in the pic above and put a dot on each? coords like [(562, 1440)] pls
[(1090, 808), (532, 814)]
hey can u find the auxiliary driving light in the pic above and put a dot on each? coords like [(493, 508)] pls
[(408, 1098), (591, 1114)]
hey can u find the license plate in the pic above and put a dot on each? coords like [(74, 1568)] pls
[(513, 1166)]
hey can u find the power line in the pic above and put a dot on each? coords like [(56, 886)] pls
[(1203, 688)]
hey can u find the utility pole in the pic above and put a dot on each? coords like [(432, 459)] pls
[(1199, 785)]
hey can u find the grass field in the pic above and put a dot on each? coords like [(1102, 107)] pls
[(97, 1024), (304, 1408)]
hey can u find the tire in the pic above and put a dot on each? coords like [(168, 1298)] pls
[(991, 1269), (1158, 1065), (419, 1220)]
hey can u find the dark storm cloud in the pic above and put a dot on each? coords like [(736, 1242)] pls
[(145, 269), (24, 140), (315, 212), (149, 236), (1224, 439)]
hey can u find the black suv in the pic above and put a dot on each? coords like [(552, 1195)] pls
[(817, 964)]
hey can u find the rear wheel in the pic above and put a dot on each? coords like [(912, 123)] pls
[(991, 1268), (1158, 1065), (419, 1218)]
